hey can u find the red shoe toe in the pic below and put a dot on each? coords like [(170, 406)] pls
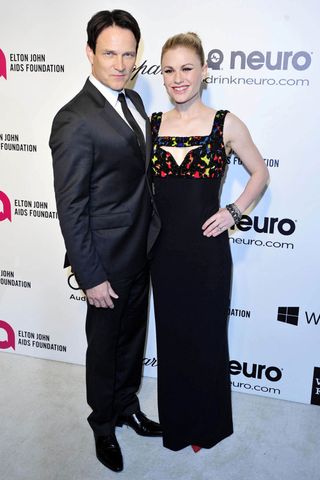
[(196, 448)]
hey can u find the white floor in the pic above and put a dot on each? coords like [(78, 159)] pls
[(45, 435)]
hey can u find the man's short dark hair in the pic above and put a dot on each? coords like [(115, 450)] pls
[(107, 18)]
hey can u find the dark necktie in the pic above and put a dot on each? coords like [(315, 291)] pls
[(133, 123)]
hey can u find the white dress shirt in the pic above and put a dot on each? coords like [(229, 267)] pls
[(112, 97)]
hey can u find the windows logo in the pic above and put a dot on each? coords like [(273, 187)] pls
[(288, 315)]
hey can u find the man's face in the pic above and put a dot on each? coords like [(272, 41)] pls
[(115, 56)]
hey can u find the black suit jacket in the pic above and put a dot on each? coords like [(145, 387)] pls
[(102, 187)]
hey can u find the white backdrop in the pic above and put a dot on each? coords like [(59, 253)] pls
[(264, 67)]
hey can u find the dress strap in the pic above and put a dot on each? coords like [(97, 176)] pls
[(156, 118), (219, 120)]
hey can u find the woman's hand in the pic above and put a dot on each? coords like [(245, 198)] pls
[(218, 223)]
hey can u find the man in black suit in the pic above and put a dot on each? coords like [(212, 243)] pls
[(101, 144)]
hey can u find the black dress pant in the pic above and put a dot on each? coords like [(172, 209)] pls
[(116, 339)]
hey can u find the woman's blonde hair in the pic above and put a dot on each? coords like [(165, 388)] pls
[(188, 40)]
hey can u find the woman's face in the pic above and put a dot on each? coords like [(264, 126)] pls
[(182, 73)]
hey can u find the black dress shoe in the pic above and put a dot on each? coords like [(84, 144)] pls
[(108, 452), (141, 424)]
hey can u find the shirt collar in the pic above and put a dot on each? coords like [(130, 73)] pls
[(110, 95)]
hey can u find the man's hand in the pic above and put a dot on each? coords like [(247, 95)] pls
[(101, 295)]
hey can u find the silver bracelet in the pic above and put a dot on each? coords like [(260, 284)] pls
[(235, 212)]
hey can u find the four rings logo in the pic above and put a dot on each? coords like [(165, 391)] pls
[(5, 211), (255, 60), (3, 65), (72, 282)]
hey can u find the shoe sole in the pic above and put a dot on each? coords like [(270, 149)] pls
[(137, 431)]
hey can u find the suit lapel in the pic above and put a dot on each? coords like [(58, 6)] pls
[(109, 113), (112, 117)]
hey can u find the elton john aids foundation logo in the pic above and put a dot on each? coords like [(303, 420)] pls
[(5, 207), (10, 340), (3, 65)]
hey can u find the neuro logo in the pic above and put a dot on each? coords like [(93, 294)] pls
[(10, 342), (288, 315), (285, 226), (254, 370), (5, 212), (3, 65), (315, 393), (256, 60), (215, 58)]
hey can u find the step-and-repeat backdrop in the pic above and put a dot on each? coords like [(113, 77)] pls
[(263, 65)]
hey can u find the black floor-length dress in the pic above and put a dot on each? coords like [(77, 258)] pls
[(191, 285)]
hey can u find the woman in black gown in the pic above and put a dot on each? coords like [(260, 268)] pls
[(191, 269)]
